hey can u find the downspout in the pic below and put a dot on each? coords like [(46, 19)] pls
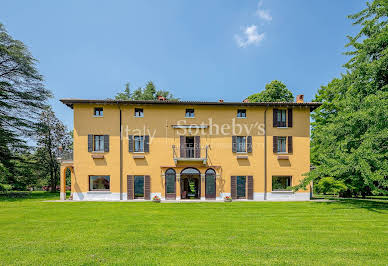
[(121, 158), (265, 153)]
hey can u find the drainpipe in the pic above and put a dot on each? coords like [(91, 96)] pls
[(121, 159), (265, 153)]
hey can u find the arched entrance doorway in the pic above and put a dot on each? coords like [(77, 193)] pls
[(210, 184), (190, 183)]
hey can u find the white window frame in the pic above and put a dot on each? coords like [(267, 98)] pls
[(288, 185), (91, 184)]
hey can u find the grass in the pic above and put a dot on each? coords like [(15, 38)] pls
[(340, 232)]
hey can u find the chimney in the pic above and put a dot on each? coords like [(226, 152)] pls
[(221, 101), (246, 100), (299, 98), (161, 98)]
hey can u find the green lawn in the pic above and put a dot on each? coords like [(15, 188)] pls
[(345, 232)]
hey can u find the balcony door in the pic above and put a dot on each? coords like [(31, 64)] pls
[(190, 147)]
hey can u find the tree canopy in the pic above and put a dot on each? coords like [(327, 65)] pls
[(350, 130), (22, 98), (275, 91), (149, 92)]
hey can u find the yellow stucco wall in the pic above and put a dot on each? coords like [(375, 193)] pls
[(157, 123)]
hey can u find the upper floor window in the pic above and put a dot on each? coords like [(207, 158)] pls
[(241, 113), (99, 183), (138, 142), (189, 113), (282, 141), (281, 183), (241, 144), (282, 117), (98, 111), (139, 112), (282, 144), (281, 120), (98, 143)]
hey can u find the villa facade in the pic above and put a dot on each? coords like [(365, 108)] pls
[(135, 150)]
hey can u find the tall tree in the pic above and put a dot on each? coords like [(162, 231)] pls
[(350, 129), (149, 92), (275, 91), (51, 134), (22, 97)]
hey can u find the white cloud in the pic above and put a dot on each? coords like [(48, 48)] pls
[(263, 13), (250, 36)]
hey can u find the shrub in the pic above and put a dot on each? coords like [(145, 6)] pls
[(328, 185)]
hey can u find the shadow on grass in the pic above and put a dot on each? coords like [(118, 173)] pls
[(370, 205), (34, 195)]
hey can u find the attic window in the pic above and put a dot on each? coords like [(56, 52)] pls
[(98, 111), (139, 112)]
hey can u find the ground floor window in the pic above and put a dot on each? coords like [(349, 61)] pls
[(241, 187), (281, 183), (99, 183), (138, 184)]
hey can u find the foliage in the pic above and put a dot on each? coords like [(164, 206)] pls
[(22, 97), (147, 93), (275, 91), (350, 129), (50, 135), (328, 185)]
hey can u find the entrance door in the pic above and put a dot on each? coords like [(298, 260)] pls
[(139, 186), (190, 187), (210, 184), (170, 184), (241, 187)]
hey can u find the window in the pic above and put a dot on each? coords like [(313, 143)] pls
[(139, 112), (241, 187), (281, 121), (189, 113), (241, 113), (98, 143), (138, 184), (282, 141), (241, 144), (98, 111), (138, 142), (99, 183), (281, 183)]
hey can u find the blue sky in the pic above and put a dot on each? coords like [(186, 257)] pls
[(199, 50)]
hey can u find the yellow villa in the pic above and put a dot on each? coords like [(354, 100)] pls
[(182, 150)]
